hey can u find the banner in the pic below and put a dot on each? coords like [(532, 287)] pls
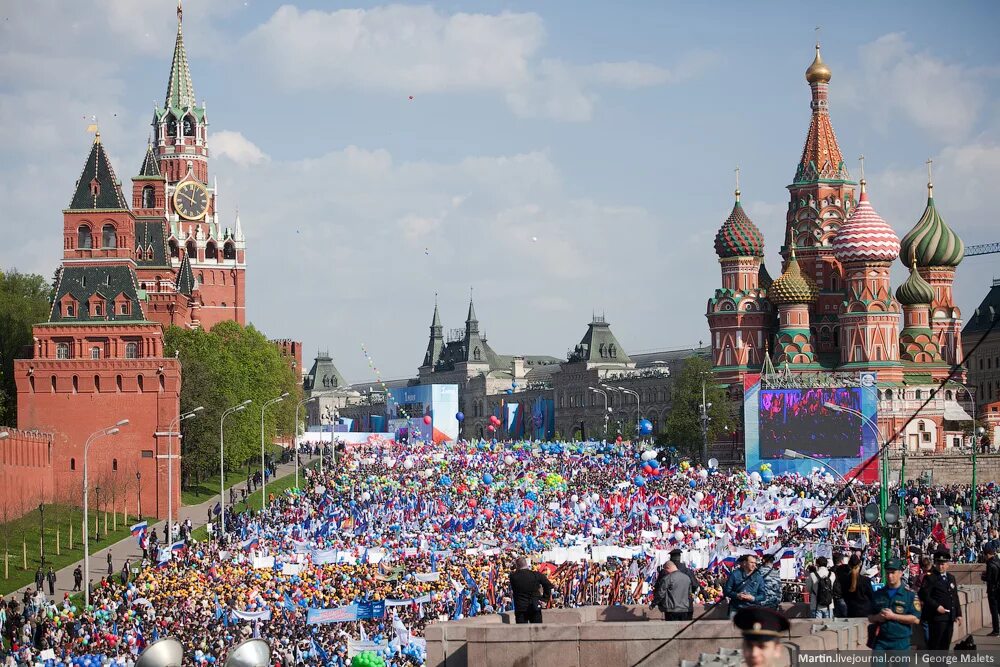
[(356, 646), (263, 562), (426, 576), (324, 556), (347, 613), (292, 569), (264, 615)]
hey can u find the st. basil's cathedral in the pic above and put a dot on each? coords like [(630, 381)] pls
[(832, 311), (129, 269)]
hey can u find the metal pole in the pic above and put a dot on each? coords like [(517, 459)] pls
[(605, 395), (222, 463), (263, 472), (86, 497), (296, 440), (41, 539), (138, 496), (704, 426)]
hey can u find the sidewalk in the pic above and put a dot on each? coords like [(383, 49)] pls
[(129, 547)]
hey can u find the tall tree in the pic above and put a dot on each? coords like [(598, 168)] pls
[(683, 424), (219, 369), (24, 302)]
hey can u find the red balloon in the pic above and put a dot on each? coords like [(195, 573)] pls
[(488, 513), (490, 428), (646, 469), (473, 502), (427, 419)]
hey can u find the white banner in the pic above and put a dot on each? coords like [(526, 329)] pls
[(355, 646), (426, 576), (263, 562), (291, 569)]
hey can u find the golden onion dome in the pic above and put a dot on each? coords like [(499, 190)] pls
[(793, 286), (818, 72)]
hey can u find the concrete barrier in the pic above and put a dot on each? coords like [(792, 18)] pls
[(634, 636)]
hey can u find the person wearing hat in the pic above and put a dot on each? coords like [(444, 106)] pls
[(675, 556), (939, 598), (762, 629), (895, 610)]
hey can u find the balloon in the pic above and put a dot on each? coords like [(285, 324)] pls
[(408, 464), (491, 428), (594, 497), (494, 419), (365, 497), (678, 535), (575, 498), (460, 416), (473, 502), (509, 460), (755, 476), (699, 496), (654, 464), (654, 518), (427, 419), (683, 518), (767, 476), (639, 480), (487, 479), (645, 427), (692, 483), (647, 469), (703, 473)]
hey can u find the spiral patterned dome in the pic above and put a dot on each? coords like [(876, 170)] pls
[(738, 236), (792, 286), (915, 291), (865, 236), (934, 242)]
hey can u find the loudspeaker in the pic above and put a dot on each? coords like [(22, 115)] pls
[(251, 653), (166, 652)]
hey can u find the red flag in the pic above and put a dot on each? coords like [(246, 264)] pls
[(939, 535)]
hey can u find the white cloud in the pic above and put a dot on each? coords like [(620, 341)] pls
[(899, 80), (237, 148), (408, 50)]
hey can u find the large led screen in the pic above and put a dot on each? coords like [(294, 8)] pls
[(802, 419)]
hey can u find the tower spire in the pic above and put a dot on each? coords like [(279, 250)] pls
[(737, 193), (180, 90), (930, 179)]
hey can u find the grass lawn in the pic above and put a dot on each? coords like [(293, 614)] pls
[(58, 519), (196, 494), (274, 487)]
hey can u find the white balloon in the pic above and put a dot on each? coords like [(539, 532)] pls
[(699, 496), (692, 522), (703, 473), (594, 497), (654, 518), (509, 460), (575, 498), (678, 535), (648, 455), (696, 535), (408, 464), (755, 476), (366, 496)]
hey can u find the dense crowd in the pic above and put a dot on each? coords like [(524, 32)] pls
[(431, 532)]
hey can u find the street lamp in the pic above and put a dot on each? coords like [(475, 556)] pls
[(263, 474), (638, 414), (704, 419), (794, 454), (174, 423), (138, 496), (883, 496), (606, 408), (296, 440), (4, 435), (111, 430), (975, 445), (41, 540), (222, 465)]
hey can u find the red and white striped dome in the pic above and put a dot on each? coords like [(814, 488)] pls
[(865, 236)]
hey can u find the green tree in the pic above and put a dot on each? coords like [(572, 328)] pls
[(24, 302), (219, 369), (683, 424)]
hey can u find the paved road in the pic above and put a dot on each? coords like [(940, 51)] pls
[(129, 547)]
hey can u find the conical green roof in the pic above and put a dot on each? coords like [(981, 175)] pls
[(933, 241)]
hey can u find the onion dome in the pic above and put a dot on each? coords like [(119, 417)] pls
[(818, 72), (764, 279), (931, 240), (792, 286), (865, 237), (915, 291), (738, 236)]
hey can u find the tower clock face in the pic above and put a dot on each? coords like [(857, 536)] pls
[(191, 200)]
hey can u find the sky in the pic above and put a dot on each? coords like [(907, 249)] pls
[(558, 159)]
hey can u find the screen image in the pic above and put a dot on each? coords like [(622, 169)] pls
[(799, 419)]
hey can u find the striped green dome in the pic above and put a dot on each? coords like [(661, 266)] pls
[(793, 286), (738, 236), (915, 291), (934, 243)]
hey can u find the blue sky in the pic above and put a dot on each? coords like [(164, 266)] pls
[(607, 131)]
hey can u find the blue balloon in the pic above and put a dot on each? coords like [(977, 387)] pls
[(639, 480), (460, 416), (767, 476), (445, 481), (487, 478), (645, 427), (683, 518), (692, 483), (653, 463)]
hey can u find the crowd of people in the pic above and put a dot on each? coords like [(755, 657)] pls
[(367, 553)]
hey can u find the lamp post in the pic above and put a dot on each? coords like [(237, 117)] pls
[(296, 441), (975, 445), (638, 408), (263, 473), (704, 419), (138, 496), (606, 408), (41, 526), (97, 523), (174, 423), (883, 496), (111, 430), (794, 454), (222, 462)]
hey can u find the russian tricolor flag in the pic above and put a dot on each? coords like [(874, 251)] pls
[(177, 546), (139, 528)]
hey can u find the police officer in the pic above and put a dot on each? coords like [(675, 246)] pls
[(895, 609), (939, 597), (762, 629)]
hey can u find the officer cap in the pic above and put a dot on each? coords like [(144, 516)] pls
[(675, 553), (760, 623), (894, 564), (942, 555)]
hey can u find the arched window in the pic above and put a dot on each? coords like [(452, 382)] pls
[(171, 126), (138, 381), (84, 238), (918, 394), (62, 351), (192, 249), (921, 426), (114, 465), (95, 352), (210, 251), (229, 251), (888, 394), (52, 382), (148, 197), (118, 383), (476, 354), (109, 237), (76, 384), (947, 395), (97, 383), (189, 126), (72, 464), (131, 350), (174, 250)]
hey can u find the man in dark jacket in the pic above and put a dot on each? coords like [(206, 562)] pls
[(992, 579), (744, 587), (675, 556), (528, 589), (941, 608)]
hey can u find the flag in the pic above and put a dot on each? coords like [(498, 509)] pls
[(139, 529), (177, 546), (458, 606), (939, 535), (217, 510), (474, 607)]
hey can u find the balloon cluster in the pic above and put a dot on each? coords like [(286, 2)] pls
[(367, 659), (385, 387)]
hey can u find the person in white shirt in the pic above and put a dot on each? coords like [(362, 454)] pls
[(820, 587)]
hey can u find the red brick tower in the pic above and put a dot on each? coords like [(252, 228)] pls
[(822, 195), (217, 254), (98, 359)]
